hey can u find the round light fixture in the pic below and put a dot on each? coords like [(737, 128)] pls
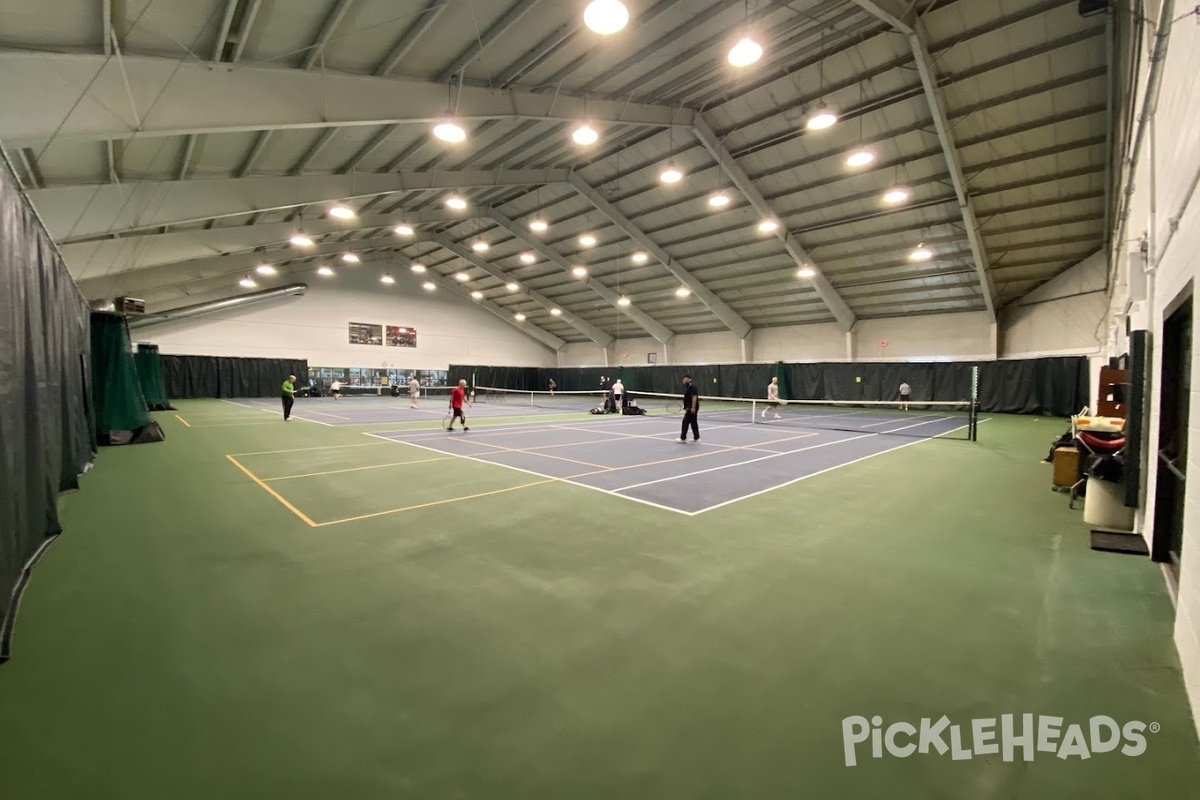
[(300, 240), (579, 272), (450, 131), (417, 268), (670, 174), (247, 283), (585, 135), (403, 230), (587, 240), (479, 246), (768, 226), (859, 159), (462, 277), (538, 225), (351, 258), (718, 200), (519, 317), (745, 52), (556, 312), (265, 269), (429, 286), (922, 253), (639, 257), (512, 286), (528, 258), (806, 272), (821, 119), (342, 212), (682, 291), (325, 272), (385, 278), (456, 203), (477, 295), (896, 196), (605, 17), (623, 301)]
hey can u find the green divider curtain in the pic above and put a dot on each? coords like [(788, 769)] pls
[(225, 377), (116, 392), (150, 376), (45, 423)]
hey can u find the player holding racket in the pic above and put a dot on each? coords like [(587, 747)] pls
[(772, 399), (457, 398)]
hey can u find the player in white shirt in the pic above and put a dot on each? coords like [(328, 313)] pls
[(414, 390), (905, 393), (335, 389), (772, 399), (618, 392)]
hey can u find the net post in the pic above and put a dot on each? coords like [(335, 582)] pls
[(974, 413)]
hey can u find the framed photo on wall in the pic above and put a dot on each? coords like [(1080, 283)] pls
[(365, 333), (401, 337), (652, 358)]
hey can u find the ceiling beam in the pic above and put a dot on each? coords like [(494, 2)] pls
[(317, 51), (83, 97), (243, 34), (256, 150), (528, 328), (829, 295), (941, 122), (723, 311), (424, 21), (310, 155), (586, 328), (76, 211), (133, 252), (185, 159), (648, 323), (223, 34), (476, 48)]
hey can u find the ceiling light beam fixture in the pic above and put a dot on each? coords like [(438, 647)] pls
[(265, 269), (403, 230), (456, 203), (417, 268), (386, 278), (745, 52), (859, 158), (829, 295), (247, 283), (768, 225), (325, 272), (351, 258), (941, 123), (896, 195), (342, 211), (300, 239), (585, 135)]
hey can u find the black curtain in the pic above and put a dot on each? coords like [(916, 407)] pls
[(45, 422), (1047, 386), (121, 412), (220, 376)]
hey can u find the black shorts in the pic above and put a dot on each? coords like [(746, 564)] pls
[(458, 414), (904, 398)]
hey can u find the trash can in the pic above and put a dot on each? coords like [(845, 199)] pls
[(1104, 506)]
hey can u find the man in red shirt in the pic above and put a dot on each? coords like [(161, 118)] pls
[(457, 398)]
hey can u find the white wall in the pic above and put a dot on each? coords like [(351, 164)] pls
[(933, 337), (451, 329), (1172, 158), (1065, 316)]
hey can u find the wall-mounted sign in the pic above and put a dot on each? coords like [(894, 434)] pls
[(401, 337), (365, 333), (651, 358)]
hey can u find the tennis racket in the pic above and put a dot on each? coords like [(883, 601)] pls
[(673, 407), (448, 420)]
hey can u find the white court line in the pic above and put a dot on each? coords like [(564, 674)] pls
[(277, 413), (821, 472), (763, 458), (531, 472)]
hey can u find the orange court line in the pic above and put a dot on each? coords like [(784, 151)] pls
[(184, 421), (272, 492), (359, 469), (436, 503)]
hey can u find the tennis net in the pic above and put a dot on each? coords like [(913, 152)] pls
[(555, 401), (923, 420)]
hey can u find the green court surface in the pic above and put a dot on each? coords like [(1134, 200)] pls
[(411, 624)]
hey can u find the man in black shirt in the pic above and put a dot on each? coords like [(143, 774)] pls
[(691, 408)]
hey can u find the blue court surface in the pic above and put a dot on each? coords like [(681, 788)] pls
[(640, 459)]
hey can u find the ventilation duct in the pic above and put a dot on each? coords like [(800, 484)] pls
[(219, 305)]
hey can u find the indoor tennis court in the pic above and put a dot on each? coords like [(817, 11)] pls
[(597, 399)]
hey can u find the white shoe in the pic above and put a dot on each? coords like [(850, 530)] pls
[(681, 439)]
